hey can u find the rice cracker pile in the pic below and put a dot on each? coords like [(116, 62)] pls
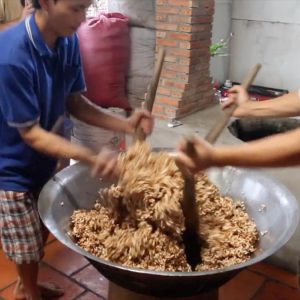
[(139, 222)]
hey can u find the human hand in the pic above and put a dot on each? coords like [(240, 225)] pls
[(105, 164), (201, 159), (238, 95), (140, 117), (27, 10)]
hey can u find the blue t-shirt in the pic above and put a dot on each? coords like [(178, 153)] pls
[(34, 83)]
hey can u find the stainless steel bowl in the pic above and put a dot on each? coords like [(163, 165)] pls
[(269, 203)]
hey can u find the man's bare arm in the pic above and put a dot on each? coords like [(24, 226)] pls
[(82, 109), (281, 150), (285, 106), (53, 145)]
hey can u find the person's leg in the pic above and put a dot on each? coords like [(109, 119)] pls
[(22, 242), (28, 274), (46, 289)]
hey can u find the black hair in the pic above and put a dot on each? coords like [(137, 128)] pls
[(22, 2), (36, 3)]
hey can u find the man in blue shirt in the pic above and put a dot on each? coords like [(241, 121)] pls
[(40, 78)]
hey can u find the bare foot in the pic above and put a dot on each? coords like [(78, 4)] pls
[(48, 290), (19, 291)]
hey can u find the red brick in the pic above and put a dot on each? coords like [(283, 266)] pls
[(203, 11), (186, 11), (209, 94), (201, 19), (178, 85), (180, 52), (168, 101), (167, 9), (158, 109), (202, 3), (185, 28), (167, 42), (187, 109), (201, 35), (193, 60), (180, 36), (177, 93), (164, 91), (195, 28), (201, 67), (177, 67), (203, 88), (185, 61), (161, 17), (179, 19), (166, 26), (161, 34), (168, 74), (182, 77), (187, 35), (195, 44), (180, 2), (171, 112), (161, 2), (171, 59)]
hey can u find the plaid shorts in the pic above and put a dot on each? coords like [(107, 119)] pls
[(20, 227)]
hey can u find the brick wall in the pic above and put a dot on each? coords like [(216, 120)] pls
[(184, 28)]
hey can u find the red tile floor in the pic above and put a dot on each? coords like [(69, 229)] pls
[(82, 282)]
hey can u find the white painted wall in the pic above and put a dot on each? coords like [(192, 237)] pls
[(267, 31), (96, 7), (219, 65)]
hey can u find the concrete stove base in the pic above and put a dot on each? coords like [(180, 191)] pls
[(118, 293)]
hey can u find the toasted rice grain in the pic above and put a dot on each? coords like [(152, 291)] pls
[(139, 222)]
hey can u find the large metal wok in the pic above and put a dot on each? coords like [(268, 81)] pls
[(270, 204)]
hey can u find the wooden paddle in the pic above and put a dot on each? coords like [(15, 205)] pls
[(151, 92), (217, 129), (191, 237)]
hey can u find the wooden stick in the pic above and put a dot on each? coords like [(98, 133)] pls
[(214, 133), (191, 238), (151, 92)]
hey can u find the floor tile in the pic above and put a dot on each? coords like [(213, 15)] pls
[(89, 296), (51, 238), (277, 291), (276, 273), (93, 280), (242, 287), (10, 275), (64, 259), (72, 290), (7, 294)]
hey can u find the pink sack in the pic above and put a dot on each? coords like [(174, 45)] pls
[(105, 50)]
